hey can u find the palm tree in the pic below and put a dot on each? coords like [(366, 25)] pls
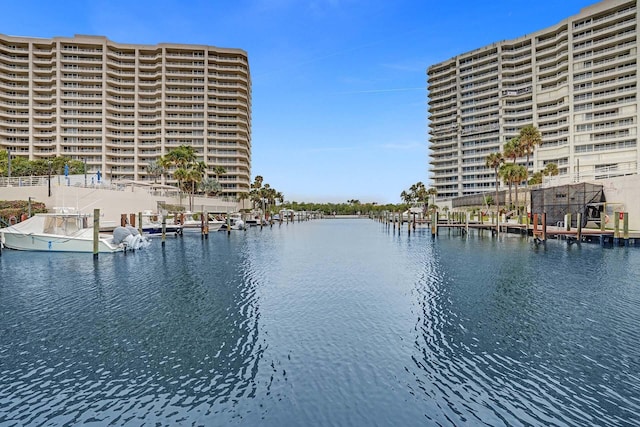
[(536, 178), (165, 164), (267, 194), (194, 175), (182, 156), (519, 175), (512, 149), (279, 197), (242, 197), (255, 194), (212, 187), (551, 169), (494, 160), (417, 194), (257, 182), (405, 197), (179, 158), (529, 138), (217, 171), (155, 169), (180, 174), (433, 193), (507, 174)]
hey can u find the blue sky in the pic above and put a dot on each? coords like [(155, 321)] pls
[(339, 86)]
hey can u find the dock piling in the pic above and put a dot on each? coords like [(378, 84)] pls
[(205, 225), (96, 232), (467, 215), (616, 228), (434, 224), (164, 230), (625, 227), (579, 226)]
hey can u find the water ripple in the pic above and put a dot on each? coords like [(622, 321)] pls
[(323, 323), (517, 343)]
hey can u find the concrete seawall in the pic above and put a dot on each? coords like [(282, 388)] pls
[(112, 203)]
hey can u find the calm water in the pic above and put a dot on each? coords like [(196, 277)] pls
[(324, 323)]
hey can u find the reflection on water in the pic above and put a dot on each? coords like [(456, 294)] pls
[(148, 336), (537, 337), (331, 322)]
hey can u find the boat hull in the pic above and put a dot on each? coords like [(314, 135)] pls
[(156, 230), (196, 227), (55, 243)]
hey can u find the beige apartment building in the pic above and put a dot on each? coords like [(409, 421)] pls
[(576, 81), (119, 107)]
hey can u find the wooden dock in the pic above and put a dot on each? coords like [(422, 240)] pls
[(607, 237)]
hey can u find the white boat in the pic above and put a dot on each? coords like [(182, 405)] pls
[(64, 231), (152, 225), (236, 222), (190, 223), (255, 218)]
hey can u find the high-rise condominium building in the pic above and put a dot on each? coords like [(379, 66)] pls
[(577, 82), (119, 107)]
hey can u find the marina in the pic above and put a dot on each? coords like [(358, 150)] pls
[(323, 322), (620, 235)]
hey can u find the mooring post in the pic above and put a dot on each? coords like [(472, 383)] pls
[(602, 224), (140, 222), (616, 228), (567, 222), (132, 219), (164, 229), (96, 232), (123, 220), (434, 225), (625, 228), (544, 226), (579, 226), (467, 214), (205, 229)]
